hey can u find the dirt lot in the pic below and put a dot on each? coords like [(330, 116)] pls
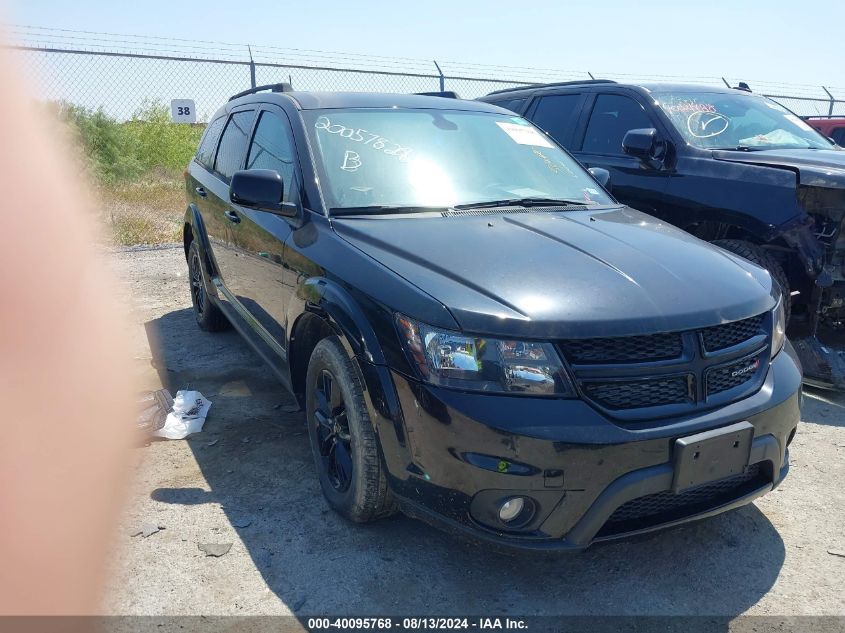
[(247, 479)]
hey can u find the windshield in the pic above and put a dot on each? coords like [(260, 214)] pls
[(713, 120), (440, 158)]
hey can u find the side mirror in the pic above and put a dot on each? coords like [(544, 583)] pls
[(260, 189), (602, 175), (640, 143)]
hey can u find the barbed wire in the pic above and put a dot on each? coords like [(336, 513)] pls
[(53, 37)]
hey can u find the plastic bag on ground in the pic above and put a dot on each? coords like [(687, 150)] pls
[(190, 409)]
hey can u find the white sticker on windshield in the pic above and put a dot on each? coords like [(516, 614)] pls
[(524, 134), (799, 122)]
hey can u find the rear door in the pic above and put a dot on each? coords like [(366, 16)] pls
[(259, 278), (632, 181), (200, 183), (558, 115)]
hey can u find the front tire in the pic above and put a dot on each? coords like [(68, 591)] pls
[(759, 256), (342, 439)]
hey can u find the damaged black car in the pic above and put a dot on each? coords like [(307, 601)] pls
[(479, 334), (733, 168)]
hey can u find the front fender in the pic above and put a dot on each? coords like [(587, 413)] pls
[(346, 316)]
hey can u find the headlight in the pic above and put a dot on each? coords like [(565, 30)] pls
[(778, 327), (452, 359)]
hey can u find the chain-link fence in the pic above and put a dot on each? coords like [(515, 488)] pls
[(122, 78), (121, 84)]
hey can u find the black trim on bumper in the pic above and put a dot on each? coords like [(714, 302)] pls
[(633, 485)]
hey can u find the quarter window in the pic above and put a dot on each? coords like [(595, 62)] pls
[(230, 155), (514, 105), (205, 153), (272, 148), (612, 117), (557, 115)]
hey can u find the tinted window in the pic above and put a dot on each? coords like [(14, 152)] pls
[(839, 136), (514, 105), (272, 148), (205, 153), (556, 114), (612, 117), (233, 144)]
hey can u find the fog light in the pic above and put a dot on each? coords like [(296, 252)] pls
[(511, 509)]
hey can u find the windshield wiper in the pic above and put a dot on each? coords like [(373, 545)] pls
[(384, 209), (741, 148), (522, 202)]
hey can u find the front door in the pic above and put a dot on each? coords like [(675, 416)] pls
[(260, 280), (632, 182)]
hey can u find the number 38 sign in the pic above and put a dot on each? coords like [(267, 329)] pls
[(183, 111)]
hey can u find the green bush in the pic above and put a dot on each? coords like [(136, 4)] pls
[(157, 142), (119, 152)]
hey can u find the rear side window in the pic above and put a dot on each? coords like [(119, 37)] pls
[(557, 114), (230, 155), (612, 117), (272, 148), (205, 153)]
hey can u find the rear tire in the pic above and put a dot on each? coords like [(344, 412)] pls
[(343, 442), (759, 256), (208, 316)]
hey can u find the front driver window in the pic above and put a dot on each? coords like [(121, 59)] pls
[(612, 117)]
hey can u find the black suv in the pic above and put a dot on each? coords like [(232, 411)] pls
[(478, 333), (730, 167)]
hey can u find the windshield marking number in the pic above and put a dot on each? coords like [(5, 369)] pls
[(358, 134)]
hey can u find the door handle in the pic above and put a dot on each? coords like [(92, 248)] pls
[(201, 192), (232, 216)]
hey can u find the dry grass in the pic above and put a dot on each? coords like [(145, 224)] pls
[(147, 211)]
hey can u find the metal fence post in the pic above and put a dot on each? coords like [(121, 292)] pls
[(442, 78), (832, 100), (251, 67)]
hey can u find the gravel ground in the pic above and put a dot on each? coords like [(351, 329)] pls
[(248, 479)]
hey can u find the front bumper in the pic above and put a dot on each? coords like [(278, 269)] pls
[(460, 453)]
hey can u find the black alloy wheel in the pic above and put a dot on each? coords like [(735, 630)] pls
[(333, 436)]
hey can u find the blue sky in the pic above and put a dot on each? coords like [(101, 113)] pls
[(767, 40)]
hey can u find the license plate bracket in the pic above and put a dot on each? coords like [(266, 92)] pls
[(712, 455)]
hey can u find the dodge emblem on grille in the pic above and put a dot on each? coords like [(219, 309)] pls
[(748, 368)]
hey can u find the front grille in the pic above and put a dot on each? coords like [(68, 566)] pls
[(640, 393), (723, 336), (666, 506), (730, 376), (624, 349), (632, 375)]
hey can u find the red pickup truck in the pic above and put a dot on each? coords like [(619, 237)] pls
[(832, 127)]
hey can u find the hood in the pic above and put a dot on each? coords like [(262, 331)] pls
[(543, 274), (815, 167)]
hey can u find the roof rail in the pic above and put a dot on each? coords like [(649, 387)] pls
[(282, 87), (580, 82), (446, 94)]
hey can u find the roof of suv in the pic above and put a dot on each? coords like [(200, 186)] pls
[(317, 100)]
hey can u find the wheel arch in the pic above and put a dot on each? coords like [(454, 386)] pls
[(194, 230), (330, 310)]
